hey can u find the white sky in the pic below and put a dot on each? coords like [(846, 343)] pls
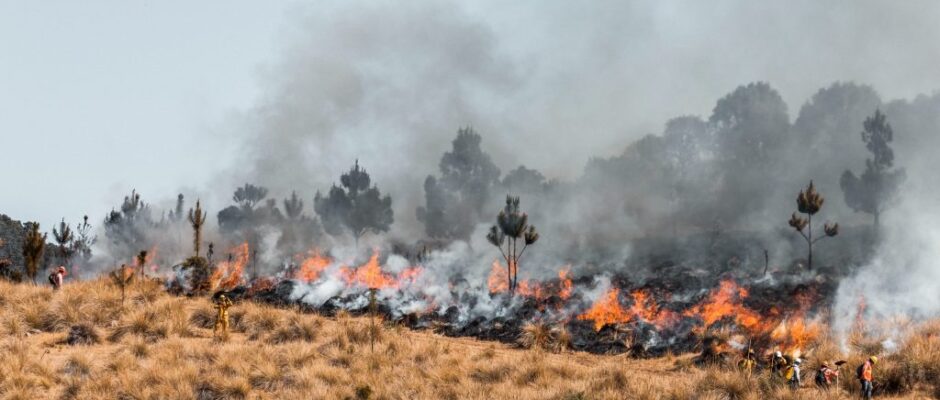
[(98, 97)]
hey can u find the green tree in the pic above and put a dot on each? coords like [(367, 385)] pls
[(809, 202), (356, 206), (511, 226), (877, 188), (454, 202), (63, 237), (33, 247)]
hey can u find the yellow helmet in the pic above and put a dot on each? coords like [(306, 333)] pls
[(873, 359)]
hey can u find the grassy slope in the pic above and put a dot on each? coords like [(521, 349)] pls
[(161, 347)]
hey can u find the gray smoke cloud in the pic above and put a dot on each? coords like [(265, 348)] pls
[(572, 91)]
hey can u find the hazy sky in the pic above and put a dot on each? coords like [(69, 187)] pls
[(97, 98)]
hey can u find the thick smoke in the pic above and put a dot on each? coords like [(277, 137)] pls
[(618, 173)]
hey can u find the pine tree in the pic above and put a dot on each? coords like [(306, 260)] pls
[(63, 237), (512, 225), (33, 248), (809, 202)]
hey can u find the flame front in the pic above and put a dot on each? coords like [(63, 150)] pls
[(606, 310), (228, 274), (312, 266)]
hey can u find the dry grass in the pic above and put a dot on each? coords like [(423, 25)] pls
[(158, 347)]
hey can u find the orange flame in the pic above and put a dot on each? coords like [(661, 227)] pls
[(312, 266), (228, 274), (564, 283), (498, 281), (606, 310), (645, 308), (726, 302), (369, 275)]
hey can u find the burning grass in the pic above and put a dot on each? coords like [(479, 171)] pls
[(159, 346)]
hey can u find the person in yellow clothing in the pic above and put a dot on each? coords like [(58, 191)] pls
[(221, 320), (749, 362)]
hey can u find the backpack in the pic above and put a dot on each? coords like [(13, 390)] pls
[(821, 377), (860, 371), (789, 374), (53, 280)]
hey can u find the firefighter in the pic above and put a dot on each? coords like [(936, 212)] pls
[(221, 321), (825, 375), (865, 376), (778, 363), (792, 374), (57, 277), (749, 362)]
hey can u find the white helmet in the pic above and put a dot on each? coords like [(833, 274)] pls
[(778, 354)]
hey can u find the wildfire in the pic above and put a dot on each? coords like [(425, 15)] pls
[(498, 281), (369, 275), (726, 302), (228, 274), (606, 310), (564, 283), (312, 266), (645, 308)]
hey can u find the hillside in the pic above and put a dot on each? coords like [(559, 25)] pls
[(162, 347)]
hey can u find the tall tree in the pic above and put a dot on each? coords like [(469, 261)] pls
[(512, 225), (877, 187), (809, 202), (751, 130), (177, 214), (454, 202), (197, 265), (84, 240), (33, 247), (298, 231), (63, 237), (354, 206), (197, 218), (249, 195), (127, 229)]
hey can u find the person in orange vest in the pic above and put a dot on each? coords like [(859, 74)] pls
[(57, 277), (865, 376)]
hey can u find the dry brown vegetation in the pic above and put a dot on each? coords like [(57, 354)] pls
[(159, 346)]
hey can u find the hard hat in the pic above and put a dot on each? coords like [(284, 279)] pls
[(825, 364), (778, 354), (797, 361), (61, 269), (873, 359)]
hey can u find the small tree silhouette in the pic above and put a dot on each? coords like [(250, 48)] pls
[(809, 202), (33, 247), (512, 225), (198, 265), (141, 261), (122, 278), (63, 237)]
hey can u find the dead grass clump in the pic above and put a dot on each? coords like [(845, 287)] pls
[(296, 329), (609, 379), (203, 318), (82, 334), (257, 321), (78, 365), (491, 374), (728, 385), (213, 389), (537, 335)]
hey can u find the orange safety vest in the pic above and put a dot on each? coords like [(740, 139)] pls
[(866, 371)]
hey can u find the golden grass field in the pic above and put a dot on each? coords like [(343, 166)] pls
[(158, 346)]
